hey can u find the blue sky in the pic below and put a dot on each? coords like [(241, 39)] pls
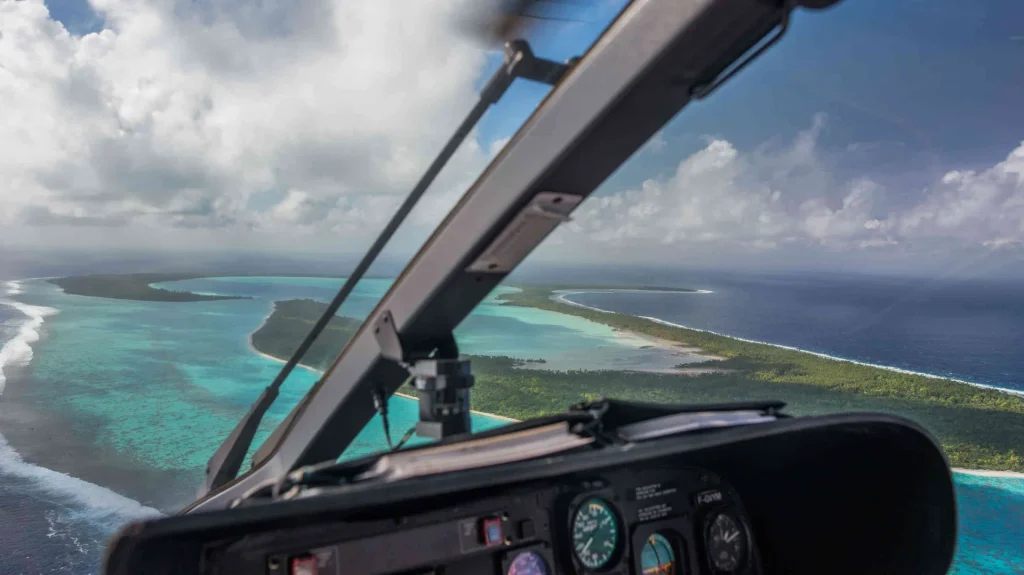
[(77, 16), (934, 84)]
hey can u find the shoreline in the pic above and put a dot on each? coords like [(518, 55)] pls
[(252, 348), (989, 473), (560, 298), (18, 350), (673, 346), (661, 343)]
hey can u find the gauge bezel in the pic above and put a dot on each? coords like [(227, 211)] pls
[(539, 548), (617, 553), (737, 517), (676, 541)]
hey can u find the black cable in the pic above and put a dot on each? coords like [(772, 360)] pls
[(408, 434), (381, 405)]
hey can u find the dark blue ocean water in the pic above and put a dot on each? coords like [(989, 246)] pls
[(971, 330)]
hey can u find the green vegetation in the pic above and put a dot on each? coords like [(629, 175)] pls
[(291, 321), (132, 286), (978, 428)]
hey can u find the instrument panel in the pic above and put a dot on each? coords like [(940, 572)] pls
[(661, 521)]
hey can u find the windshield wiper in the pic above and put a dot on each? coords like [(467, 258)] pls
[(519, 63)]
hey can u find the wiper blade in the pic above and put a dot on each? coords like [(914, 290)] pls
[(519, 62)]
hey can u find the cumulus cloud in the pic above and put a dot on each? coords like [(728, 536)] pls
[(216, 119), (719, 194), (985, 206), (179, 113), (775, 196)]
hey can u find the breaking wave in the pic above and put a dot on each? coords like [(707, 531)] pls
[(18, 349), (84, 501), (93, 503)]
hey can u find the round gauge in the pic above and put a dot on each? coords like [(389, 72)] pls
[(528, 563), (595, 534), (657, 556), (726, 543)]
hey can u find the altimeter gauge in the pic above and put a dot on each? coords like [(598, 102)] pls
[(726, 542)]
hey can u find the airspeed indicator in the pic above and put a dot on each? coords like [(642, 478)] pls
[(595, 534)]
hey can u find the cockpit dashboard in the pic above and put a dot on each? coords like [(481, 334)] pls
[(663, 520), (853, 493)]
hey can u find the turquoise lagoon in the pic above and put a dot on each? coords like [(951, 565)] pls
[(133, 397)]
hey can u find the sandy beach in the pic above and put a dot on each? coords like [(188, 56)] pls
[(687, 354), (628, 337), (989, 473), (669, 345)]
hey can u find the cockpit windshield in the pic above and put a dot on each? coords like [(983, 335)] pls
[(186, 187)]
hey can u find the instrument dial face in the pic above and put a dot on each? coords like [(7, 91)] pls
[(528, 563), (657, 556), (726, 543), (595, 534)]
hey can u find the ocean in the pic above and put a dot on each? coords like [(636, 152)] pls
[(110, 408), (972, 330)]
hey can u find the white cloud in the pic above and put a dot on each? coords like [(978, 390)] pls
[(720, 195), (179, 113), (218, 121), (978, 206), (774, 197), (657, 143)]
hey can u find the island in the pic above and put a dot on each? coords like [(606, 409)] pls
[(290, 322), (134, 287), (978, 428)]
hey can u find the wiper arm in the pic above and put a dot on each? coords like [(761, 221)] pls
[(519, 62)]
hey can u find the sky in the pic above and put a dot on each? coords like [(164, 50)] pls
[(876, 136)]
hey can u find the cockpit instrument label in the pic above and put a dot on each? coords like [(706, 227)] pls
[(652, 512), (657, 501), (653, 491), (708, 497)]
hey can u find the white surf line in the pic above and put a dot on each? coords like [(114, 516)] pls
[(562, 293), (18, 349), (561, 298), (837, 358), (103, 506)]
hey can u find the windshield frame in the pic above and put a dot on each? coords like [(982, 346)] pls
[(635, 78)]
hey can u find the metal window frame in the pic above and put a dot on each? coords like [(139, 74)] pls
[(643, 70)]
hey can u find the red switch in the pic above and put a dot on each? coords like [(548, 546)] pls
[(492, 534), (304, 565)]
